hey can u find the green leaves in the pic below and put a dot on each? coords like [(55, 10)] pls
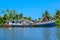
[(57, 15), (5, 16), (57, 12), (21, 16), (29, 18), (57, 22), (14, 15), (46, 16)]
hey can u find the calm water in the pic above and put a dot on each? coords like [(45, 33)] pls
[(30, 34)]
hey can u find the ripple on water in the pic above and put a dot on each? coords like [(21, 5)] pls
[(30, 34)]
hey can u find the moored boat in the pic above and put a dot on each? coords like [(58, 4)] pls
[(26, 23), (46, 24)]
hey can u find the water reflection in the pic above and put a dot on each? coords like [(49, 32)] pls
[(13, 34), (30, 34), (58, 33), (37, 33)]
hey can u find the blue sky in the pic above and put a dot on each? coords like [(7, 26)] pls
[(33, 8)]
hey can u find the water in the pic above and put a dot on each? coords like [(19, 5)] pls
[(30, 33)]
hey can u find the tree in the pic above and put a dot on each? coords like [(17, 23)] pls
[(46, 16), (35, 20), (39, 18), (5, 17), (25, 17), (21, 16), (57, 15), (29, 18), (13, 14), (0, 19), (16, 16)]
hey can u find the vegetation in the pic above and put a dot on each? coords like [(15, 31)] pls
[(57, 18), (46, 16), (14, 15)]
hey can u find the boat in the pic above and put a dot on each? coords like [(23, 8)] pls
[(26, 23), (46, 24)]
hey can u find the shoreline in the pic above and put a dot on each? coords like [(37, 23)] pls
[(2, 25)]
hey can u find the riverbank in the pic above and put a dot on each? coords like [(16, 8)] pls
[(1, 25), (57, 23)]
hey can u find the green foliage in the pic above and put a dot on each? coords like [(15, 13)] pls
[(14, 15), (57, 12), (2, 21), (21, 16), (57, 22), (29, 18), (25, 18), (57, 15), (46, 16), (5, 16)]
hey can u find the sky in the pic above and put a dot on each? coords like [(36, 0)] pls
[(33, 8)]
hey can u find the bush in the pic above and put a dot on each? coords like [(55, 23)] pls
[(57, 22)]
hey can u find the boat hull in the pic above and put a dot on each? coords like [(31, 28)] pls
[(50, 24), (46, 25)]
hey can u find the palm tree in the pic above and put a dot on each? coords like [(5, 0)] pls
[(5, 17), (16, 16), (35, 20), (21, 16), (25, 18), (57, 15), (46, 16), (39, 19), (1, 20), (11, 13), (29, 18)]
